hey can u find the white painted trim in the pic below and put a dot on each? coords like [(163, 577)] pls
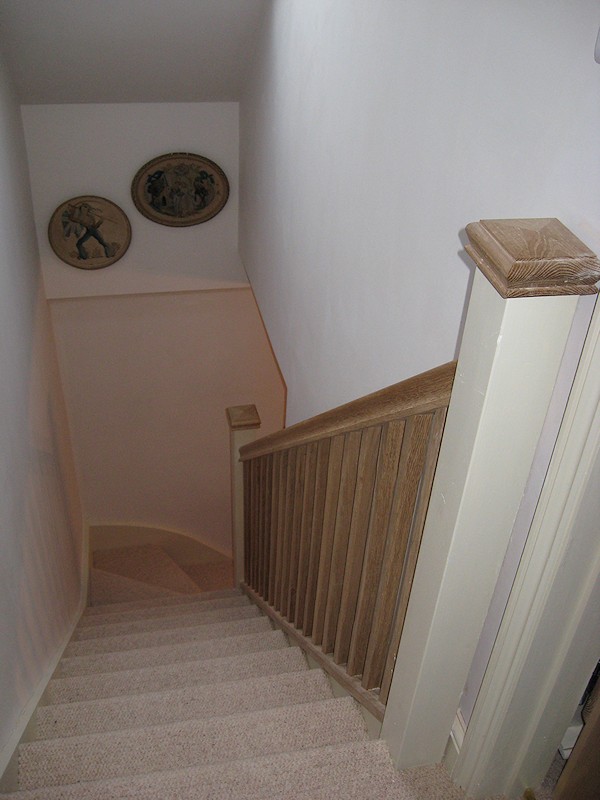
[(455, 741), (509, 359), (548, 644)]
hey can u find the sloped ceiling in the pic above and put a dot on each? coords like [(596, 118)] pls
[(129, 51)]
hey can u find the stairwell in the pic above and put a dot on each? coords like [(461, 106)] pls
[(188, 694)]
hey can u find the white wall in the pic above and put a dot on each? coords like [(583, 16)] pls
[(40, 517), (371, 133), (97, 149)]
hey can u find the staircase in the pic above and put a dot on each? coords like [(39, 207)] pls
[(190, 694)]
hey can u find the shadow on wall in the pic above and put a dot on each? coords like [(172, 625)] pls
[(43, 557)]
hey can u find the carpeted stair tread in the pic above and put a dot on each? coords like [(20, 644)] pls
[(353, 771), (197, 702), (267, 654), (184, 744), (148, 563), (210, 641), (130, 635), (211, 575), (186, 607), (171, 598), (106, 587)]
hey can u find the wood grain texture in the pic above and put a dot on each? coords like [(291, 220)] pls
[(247, 517), (334, 473), (412, 548), (387, 471), (367, 699), (334, 522), (417, 395), (267, 498), (341, 532), (287, 531), (357, 539), (242, 417), (299, 482), (407, 486), (281, 518), (532, 257), (273, 535), (305, 532), (316, 533)]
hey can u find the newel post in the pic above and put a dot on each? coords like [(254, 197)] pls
[(524, 296), (243, 424)]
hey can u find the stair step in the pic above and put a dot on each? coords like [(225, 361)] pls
[(267, 654), (354, 771), (211, 641), (106, 587), (194, 605), (170, 599), (148, 633), (210, 575), (184, 744), (148, 563), (198, 702)]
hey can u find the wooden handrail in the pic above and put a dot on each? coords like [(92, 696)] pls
[(416, 395)]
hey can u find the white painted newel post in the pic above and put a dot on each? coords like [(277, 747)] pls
[(243, 425), (522, 305)]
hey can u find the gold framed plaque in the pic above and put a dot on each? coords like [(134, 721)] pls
[(180, 189), (89, 232)]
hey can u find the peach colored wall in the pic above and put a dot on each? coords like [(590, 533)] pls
[(40, 515), (147, 380)]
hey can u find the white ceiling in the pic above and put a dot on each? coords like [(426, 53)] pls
[(129, 51)]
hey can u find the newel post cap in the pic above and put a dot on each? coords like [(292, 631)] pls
[(532, 257), (242, 417)]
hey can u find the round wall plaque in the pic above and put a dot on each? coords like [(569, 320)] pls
[(89, 232), (180, 189)]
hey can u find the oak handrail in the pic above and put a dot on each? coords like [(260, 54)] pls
[(416, 395)]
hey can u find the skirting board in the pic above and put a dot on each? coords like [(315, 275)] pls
[(455, 741)]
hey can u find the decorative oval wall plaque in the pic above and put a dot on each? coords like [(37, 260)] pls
[(89, 232), (180, 189)]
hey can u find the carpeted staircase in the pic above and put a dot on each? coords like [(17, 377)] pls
[(193, 695)]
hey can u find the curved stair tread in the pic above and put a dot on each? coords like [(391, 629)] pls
[(147, 563), (105, 586), (169, 599), (183, 605), (130, 635)]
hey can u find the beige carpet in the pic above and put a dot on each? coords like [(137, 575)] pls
[(196, 697)]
